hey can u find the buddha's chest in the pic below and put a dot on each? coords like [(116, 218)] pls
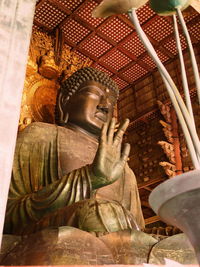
[(75, 151)]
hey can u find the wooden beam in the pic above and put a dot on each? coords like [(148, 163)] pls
[(152, 220), (150, 182), (175, 132), (148, 188)]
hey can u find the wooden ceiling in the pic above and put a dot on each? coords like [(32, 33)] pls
[(112, 43)]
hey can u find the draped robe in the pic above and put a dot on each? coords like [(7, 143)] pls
[(50, 172)]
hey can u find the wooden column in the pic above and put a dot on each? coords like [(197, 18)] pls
[(176, 142), (16, 19)]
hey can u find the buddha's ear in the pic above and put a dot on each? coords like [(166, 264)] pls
[(65, 118), (62, 113)]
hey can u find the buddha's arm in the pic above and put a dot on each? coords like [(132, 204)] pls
[(25, 205), (71, 188)]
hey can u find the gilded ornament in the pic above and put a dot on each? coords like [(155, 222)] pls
[(32, 67), (43, 76), (48, 67)]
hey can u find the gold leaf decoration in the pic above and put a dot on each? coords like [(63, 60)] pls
[(43, 77)]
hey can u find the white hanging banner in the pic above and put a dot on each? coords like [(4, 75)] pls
[(16, 19)]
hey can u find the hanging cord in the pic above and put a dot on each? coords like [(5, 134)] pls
[(191, 51)]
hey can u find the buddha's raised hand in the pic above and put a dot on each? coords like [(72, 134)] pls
[(110, 160)]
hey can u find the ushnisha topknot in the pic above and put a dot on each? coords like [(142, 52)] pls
[(71, 85)]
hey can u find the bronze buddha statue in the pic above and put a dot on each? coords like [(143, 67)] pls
[(72, 197), (60, 170)]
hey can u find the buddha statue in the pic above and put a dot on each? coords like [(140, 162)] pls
[(73, 199), (75, 169)]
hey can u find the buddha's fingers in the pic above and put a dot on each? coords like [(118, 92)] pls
[(125, 153), (119, 135), (103, 137), (111, 130), (116, 127)]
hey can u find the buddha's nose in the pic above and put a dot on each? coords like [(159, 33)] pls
[(104, 101), (103, 105), (103, 108)]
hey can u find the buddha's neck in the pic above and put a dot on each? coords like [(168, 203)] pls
[(79, 129)]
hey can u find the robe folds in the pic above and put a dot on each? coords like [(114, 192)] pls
[(51, 172)]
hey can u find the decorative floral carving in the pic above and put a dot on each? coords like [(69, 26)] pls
[(169, 150), (165, 111), (170, 169), (168, 147), (167, 129)]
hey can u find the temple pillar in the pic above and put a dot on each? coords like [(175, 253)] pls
[(176, 142), (16, 19)]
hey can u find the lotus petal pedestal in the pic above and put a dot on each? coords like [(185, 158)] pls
[(177, 202)]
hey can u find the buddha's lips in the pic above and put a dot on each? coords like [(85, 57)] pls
[(101, 116)]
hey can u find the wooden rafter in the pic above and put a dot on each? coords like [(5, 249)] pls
[(150, 182), (152, 219)]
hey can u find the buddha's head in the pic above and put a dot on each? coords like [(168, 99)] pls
[(86, 100)]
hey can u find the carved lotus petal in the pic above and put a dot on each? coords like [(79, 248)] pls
[(112, 7), (168, 7)]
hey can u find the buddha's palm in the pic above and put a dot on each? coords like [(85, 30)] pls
[(109, 161)]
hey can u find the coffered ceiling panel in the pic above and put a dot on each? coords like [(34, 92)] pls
[(81, 56), (194, 29), (121, 83), (116, 59), (134, 72), (133, 45), (85, 11), (95, 45), (159, 28), (101, 68), (115, 29), (70, 4), (49, 15), (74, 31), (145, 13), (170, 44), (112, 43)]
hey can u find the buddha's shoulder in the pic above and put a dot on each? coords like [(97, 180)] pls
[(37, 132), (42, 130), (39, 127)]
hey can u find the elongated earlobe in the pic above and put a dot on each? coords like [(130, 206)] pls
[(62, 115)]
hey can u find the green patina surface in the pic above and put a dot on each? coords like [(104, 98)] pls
[(168, 7)]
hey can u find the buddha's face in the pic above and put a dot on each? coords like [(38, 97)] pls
[(91, 106)]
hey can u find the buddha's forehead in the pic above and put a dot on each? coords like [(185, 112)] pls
[(98, 86)]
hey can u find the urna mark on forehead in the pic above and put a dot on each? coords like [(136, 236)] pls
[(97, 86), (99, 89)]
